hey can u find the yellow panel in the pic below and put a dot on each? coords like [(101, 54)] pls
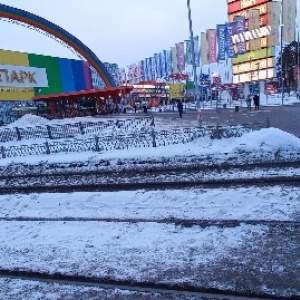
[(13, 58), (16, 96)]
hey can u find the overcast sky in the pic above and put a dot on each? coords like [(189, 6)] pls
[(120, 31)]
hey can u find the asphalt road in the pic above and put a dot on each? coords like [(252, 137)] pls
[(286, 118)]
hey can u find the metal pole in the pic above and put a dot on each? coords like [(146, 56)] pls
[(281, 47), (193, 50)]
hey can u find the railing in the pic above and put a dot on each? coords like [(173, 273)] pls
[(145, 137), (8, 134)]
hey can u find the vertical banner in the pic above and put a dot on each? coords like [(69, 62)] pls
[(254, 23), (188, 52), (174, 60), (204, 49), (141, 70), (239, 27), (180, 57), (168, 58), (274, 21), (162, 59), (212, 45), (157, 67), (289, 20), (151, 71), (146, 66), (122, 75), (228, 44), (196, 51), (221, 30)]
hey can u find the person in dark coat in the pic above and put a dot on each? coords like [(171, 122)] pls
[(256, 101), (180, 108), (145, 109)]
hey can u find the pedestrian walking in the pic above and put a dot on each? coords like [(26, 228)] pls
[(145, 109), (180, 108), (199, 111), (135, 107), (248, 101), (256, 101)]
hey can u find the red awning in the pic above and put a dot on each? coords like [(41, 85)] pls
[(113, 92)]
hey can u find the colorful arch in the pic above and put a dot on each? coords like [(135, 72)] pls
[(23, 16)]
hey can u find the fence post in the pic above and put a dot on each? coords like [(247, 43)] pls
[(153, 138), (47, 148), (152, 122), (97, 143), (217, 132), (49, 131), (81, 128), (18, 133), (3, 152)]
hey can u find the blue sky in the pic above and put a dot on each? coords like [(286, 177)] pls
[(116, 30)]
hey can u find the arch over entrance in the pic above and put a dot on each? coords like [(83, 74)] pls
[(23, 16)]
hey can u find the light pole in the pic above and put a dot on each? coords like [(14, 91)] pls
[(281, 47), (193, 50)]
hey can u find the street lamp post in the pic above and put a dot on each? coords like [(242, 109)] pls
[(281, 47), (193, 50)]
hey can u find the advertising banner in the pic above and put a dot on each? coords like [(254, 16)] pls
[(254, 23), (221, 41), (180, 57), (162, 59), (168, 57), (188, 52), (22, 76), (274, 22), (289, 20), (196, 51), (174, 60), (152, 68), (212, 45), (204, 49), (239, 27), (157, 63), (229, 45), (177, 90)]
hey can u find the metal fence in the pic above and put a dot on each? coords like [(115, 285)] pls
[(145, 137), (8, 134)]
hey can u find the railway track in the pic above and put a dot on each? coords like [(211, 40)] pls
[(165, 290), (153, 178)]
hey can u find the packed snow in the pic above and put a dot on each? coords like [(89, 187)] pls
[(124, 236)]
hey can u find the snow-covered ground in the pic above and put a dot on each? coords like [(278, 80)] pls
[(257, 258)]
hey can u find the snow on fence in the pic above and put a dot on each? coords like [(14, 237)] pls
[(142, 137)]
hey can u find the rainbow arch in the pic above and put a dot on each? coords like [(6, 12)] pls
[(23, 16)]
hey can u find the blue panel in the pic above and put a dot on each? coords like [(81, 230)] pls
[(78, 74), (66, 73)]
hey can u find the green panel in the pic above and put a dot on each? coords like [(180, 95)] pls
[(252, 55), (53, 73)]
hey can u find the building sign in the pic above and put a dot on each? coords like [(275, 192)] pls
[(244, 4), (251, 34), (253, 76), (257, 54), (263, 10), (21, 76), (253, 66)]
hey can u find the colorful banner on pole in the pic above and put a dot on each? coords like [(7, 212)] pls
[(289, 20), (274, 21), (180, 57), (239, 27), (254, 23), (229, 45), (221, 41), (204, 49), (212, 45)]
